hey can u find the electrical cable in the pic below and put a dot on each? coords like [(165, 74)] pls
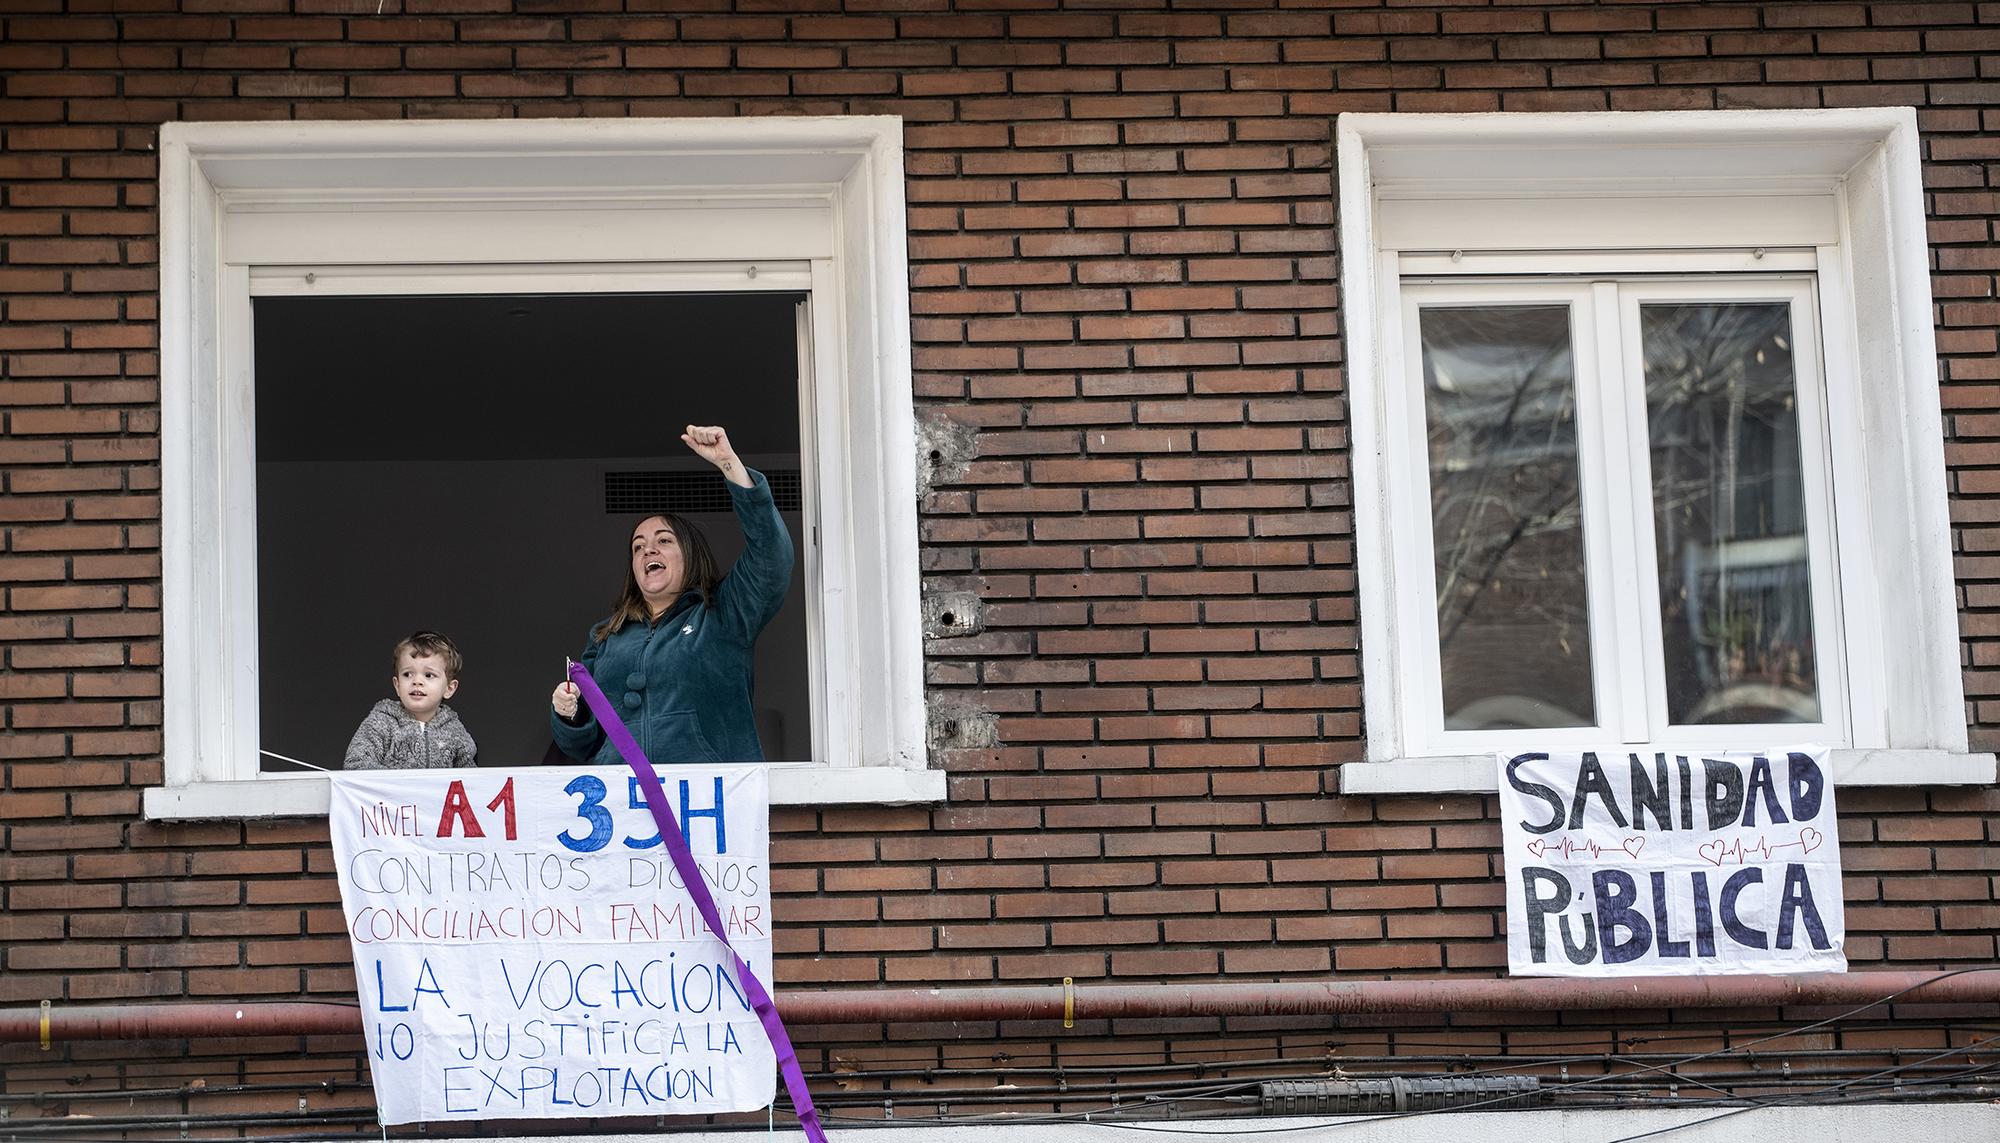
[(1150, 1100), (1781, 1101), (1503, 1065), (918, 1064), (1594, 1080)]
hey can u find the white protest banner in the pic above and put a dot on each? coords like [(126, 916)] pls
[(523, 947), (1622, 864)]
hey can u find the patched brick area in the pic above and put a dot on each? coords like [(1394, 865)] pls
[(1122, 244)]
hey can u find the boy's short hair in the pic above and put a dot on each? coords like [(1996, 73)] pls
[(429, 644)]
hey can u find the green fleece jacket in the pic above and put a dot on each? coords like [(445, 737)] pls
[(683, 683)]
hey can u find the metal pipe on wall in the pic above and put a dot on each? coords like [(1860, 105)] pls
[(1372, 997), (52, 1023)]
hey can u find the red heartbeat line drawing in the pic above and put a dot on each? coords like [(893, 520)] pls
[(1718, 852), (1631, 847)]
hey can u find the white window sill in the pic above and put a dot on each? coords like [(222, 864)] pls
[(306, 795), (1474, 773)]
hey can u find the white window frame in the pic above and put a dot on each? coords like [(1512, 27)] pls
[(1613, 466), (808, 204), (1838, 192)]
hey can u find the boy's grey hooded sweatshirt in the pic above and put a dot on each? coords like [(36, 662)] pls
[(389, 739)]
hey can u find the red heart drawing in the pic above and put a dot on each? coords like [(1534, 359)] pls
[(1712, 852), (1809, 839), (1537, 846), (1633, 845)]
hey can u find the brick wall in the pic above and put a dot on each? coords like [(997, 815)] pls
[(1123, 259)]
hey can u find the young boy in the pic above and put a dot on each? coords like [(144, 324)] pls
[(415, 730)]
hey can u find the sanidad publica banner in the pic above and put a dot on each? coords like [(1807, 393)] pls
[(1657, 864)]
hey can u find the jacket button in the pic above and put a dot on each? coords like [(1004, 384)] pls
[(633, 699), (635, 681)]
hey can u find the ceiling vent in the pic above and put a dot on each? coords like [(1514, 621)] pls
[(642, 493)]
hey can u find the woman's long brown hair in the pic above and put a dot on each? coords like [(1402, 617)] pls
[(698, 572)]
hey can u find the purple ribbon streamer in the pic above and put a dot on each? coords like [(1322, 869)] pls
[(677, 848)]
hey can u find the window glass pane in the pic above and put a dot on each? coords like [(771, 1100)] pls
[(1513, 608), (1729, 513)]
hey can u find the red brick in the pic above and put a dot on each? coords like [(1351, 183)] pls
[(1122, 257), (1143, 963), (243, 982)]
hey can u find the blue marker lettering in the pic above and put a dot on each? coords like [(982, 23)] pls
[(689, 813), (424, 973), (579, 985), (450, 1090), (382, 994)]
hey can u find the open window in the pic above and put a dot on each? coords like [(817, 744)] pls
[(474, 463), (494, 325), (1647, 446)]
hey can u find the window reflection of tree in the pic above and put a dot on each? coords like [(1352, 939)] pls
[(1736, 604), (1729, 514), (1506, 511)]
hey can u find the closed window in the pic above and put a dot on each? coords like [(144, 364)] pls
[(1625, 496), (1646, 441)]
